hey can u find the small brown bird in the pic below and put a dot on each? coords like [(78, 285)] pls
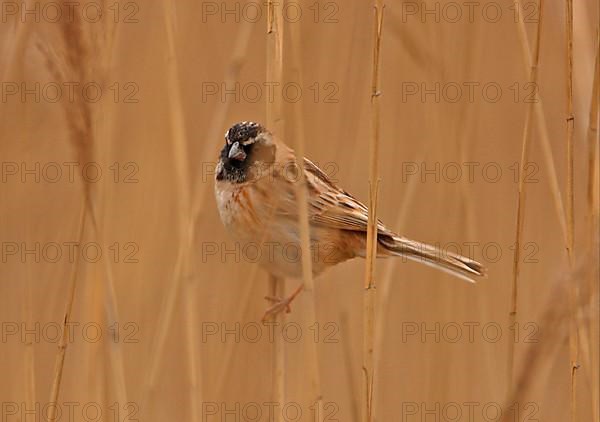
[(256, 198)]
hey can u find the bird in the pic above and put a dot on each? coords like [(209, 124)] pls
[(255, 193)]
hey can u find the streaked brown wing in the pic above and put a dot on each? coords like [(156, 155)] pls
[(333, 207)]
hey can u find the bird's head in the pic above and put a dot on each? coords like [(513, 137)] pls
[(248, 149)]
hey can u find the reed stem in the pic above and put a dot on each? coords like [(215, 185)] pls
[(369, 314), (521, 198), (274, 111), (302, 200), (573, 291), (64, 338)]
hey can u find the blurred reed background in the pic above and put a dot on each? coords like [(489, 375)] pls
[(165, 322)]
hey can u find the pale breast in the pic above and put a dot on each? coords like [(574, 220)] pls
[(237, 209)]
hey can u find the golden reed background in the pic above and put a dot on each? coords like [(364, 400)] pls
[(159, 119)]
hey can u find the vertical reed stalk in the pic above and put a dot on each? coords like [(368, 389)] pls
[(194, 361), (355, 408), (29, 355), (533, 76), (218, 121), (370, 284), (573, 291), (570, 130), (562, 214), (64, 338), (274, 73), (542, 127), (182, 185), (593, 245), (385, 285), (215, 131), (302, 200), (277, 289), (555, 315), (103, 132), (79, 118), (592, 141), (226, 366), (186, 222), (27, 316), (82, 120)]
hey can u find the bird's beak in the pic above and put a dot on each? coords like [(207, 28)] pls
[(236, 152)]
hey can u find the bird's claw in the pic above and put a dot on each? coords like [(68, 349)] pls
[(279, 305)]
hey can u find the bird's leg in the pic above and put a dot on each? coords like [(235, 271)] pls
[(280, 304)]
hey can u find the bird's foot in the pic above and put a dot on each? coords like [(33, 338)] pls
[(280, 304)]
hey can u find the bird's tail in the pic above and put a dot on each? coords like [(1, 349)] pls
[(449, 262)]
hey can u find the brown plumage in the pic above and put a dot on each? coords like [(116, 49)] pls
[(255, 194)]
